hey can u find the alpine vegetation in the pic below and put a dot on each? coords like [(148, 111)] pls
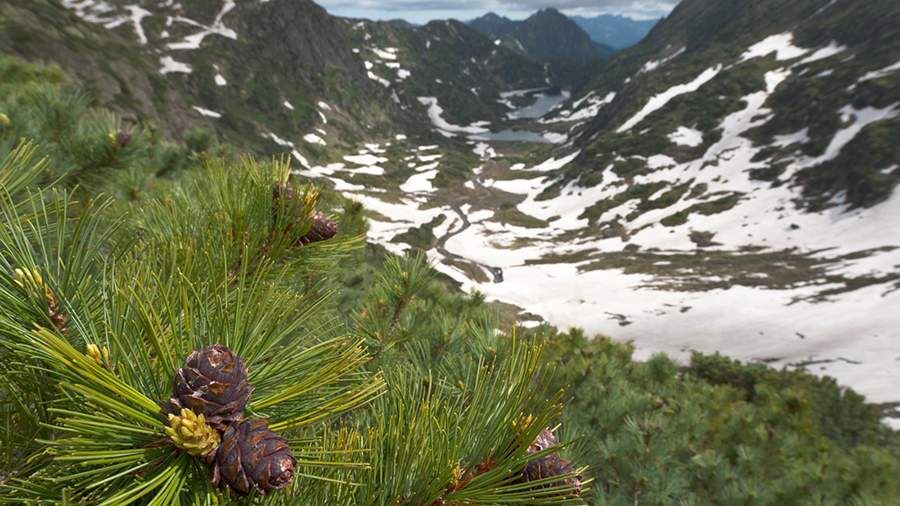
[(256, 253)]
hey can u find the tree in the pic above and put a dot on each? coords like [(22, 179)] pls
[(157, 332)]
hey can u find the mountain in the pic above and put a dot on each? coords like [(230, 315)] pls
[(189, 64), (448, 60), (618, 32), (328, 81), (494, 25), (727, 186), (549, 37), (742, 155)]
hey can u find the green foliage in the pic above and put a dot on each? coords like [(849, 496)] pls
[(719, 432), (390, 386), (103, 297)]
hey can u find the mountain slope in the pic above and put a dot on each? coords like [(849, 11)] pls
[(819, 79), (618, 32), (447, 60), (107, 62), (265, 75), (742, 156)]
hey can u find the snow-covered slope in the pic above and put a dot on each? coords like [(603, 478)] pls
[(734, 198), (727, 189)]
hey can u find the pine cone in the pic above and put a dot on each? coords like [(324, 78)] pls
[(322, 229), (213, 383), (251, 455), (550, 465)]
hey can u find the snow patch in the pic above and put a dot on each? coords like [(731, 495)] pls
[(207, 112), (685, 136), (782, 45), (659, 101)]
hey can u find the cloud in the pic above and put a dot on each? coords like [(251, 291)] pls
[(514, 8)]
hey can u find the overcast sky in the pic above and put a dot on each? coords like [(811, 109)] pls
[(421, 11)]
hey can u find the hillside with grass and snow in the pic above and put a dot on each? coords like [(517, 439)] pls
[(727, 184), (408, 264)]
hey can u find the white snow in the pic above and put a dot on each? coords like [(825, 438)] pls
[(100, 12), (286, 143), (826, 52), (484, 150), (799, 137), (220, 80), (859, 118), (435, 113), (193, 41), (579, 113), (551, 164), (288, 105), (366, 159), (314, 139), (207, 112), (389, 53), (877, 74), (137, 15), (419, 182), (659, 101), (169, 65), (685, 136), (782, 45), (375, 77), (652, 65)]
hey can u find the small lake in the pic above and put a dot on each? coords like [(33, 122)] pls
[(511, 136), (543, 103)]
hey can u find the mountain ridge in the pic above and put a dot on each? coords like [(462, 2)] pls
[(740, 155)]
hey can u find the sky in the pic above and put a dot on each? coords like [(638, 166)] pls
[(422, 11)]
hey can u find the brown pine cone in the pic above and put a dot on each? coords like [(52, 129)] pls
[(321, 229), (549, 465), (251, 455), (213, 383)]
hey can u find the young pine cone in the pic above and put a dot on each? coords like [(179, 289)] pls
[(251, 455), (550, 465), (190, 433), (213, 383)]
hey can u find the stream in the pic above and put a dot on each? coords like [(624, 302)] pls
[(542, 105)]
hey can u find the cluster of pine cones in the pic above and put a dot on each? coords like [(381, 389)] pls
[(206, 418)]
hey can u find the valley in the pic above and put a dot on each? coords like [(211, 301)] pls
[(679, 199), (786, 289)]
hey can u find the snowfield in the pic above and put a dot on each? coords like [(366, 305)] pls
[(649, 282)]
